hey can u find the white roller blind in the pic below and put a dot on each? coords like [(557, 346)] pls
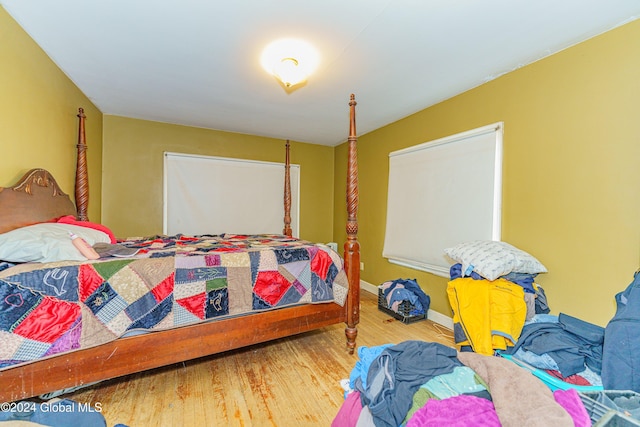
[(214, 195), (442, 193)]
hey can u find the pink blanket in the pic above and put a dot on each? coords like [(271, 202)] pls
[(457, 411)]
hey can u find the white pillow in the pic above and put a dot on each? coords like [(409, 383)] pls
[(492, 259), (46, 242)]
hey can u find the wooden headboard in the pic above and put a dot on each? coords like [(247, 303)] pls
[(37, 197)]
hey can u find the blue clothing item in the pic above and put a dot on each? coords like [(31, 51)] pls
[(540, 361), (523, 279), (542, 306), (61, 413), (545, 362), (621, 350), (401, 294), (412, 286), (4, 265), (455, 271), (366, 356), (398, 373), (572, 343), (542, 318), (588, 331), (592, 377)]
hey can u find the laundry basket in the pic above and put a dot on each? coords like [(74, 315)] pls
[(603, 410), (405, 310)]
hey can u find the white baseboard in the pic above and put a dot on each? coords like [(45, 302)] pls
[(439, 318), (366, 286)]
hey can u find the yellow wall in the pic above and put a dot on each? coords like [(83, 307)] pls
[(571, 190), (571, 150), (38, 123), (133, 169)]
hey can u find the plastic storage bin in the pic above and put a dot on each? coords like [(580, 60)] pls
[(404, 310), (616, 419), (609, 407)]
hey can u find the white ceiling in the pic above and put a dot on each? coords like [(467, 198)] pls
[(197, 62)]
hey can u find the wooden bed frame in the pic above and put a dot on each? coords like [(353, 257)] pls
[(22, 204)]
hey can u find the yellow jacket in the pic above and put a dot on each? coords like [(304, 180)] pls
[(487, 315)]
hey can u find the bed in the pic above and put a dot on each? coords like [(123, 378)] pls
[(183, 315)]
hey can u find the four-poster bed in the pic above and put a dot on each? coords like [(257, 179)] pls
[(36, 199)]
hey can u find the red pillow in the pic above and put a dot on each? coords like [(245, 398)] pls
[(70, 219)]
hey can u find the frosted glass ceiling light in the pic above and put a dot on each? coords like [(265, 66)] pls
[(291, 61), (289, 72)]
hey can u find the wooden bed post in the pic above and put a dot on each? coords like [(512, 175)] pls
[(82, 178), (287, 194), (351, 246)]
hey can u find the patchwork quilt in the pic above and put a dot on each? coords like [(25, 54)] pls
[(50, 308)]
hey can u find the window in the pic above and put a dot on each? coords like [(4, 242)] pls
[(442, 193), (215, 195)]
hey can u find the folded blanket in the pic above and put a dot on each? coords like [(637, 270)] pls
[(520, 398)]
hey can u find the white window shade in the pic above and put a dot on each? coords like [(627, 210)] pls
[(442, 193), (215, 195)]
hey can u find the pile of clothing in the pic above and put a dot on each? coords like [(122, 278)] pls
[(563, 346), (489, 315), (509, 316), (492, 293), (583, 354), (416, 383)]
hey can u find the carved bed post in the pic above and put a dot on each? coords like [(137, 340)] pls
[(287, 194), (82, 178), (351, 246)]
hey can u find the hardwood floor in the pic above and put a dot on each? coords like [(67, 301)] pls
[(288, 382)]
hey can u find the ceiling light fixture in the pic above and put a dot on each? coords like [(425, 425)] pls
[(291, 61)]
